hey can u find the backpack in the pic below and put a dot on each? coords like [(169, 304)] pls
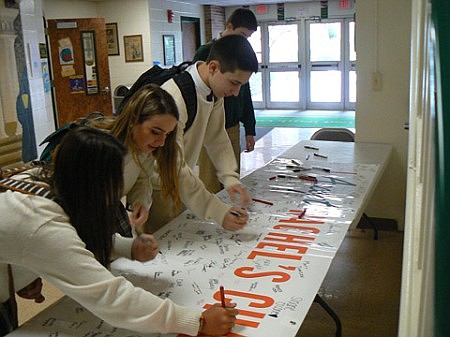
[(56, 136), (158, 75)]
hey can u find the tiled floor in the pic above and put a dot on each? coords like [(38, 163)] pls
[(363, 283), (362, 287)]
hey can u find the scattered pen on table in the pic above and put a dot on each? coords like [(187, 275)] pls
[(319, 155), (311, 147), (296, 168), (321, 168), (286, 176), (307, 157), (273, 178), (222, 296), (302, 177), (263, 201), (296, 162), (308, 178)]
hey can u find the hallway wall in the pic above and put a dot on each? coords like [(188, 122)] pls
[(383, 46)]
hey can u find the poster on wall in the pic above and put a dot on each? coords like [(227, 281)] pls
[(77, 84), (43, 51), (169, 49), (65, 51), (133, 48), (45, 76)]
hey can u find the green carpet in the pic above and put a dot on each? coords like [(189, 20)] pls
[(306, 121)]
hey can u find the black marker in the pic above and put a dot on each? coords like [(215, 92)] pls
[(319, 155), (235, 213), (321, 168), (311, 147)]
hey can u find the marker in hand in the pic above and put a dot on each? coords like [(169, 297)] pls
[(222, 296), (237, 214)]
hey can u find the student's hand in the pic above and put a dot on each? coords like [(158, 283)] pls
[(218, 321), (240, 191), (33, 291), (139, 215), (144, 248), (249, 143), (235, 219)]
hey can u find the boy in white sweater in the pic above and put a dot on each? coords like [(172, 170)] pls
[(230, 64)]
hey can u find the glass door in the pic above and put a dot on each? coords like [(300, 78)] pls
[(277, 85), (331, 63), (305, 65), (283, 66)]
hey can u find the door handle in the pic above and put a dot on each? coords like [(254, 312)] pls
[(106, 90)]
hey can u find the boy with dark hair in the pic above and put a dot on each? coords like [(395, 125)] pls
[(237, 109), (243, 17), (230, 65)]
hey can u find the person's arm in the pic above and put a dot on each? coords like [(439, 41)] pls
[(198, 199), (248, 117), (248, 112), (219, 148), (57, 254)]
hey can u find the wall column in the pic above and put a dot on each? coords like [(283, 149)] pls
[(9, 84)]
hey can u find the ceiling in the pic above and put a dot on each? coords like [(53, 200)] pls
[(225, 3)]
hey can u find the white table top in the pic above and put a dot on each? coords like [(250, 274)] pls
[(272, 268)]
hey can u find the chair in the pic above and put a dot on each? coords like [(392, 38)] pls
[(336, 134), (342, 135)]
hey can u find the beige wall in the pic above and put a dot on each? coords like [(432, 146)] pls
[(383, 45)]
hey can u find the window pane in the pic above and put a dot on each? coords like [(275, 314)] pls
[(325, 41), (284, 86), (256, 87), (283, 43), (255, 41), (351, 41), (326, 86), (352, 86)]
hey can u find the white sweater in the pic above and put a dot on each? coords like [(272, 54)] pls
[(35, 235), (208, 129)]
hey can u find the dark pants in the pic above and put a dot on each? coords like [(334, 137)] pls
[(7, 321)]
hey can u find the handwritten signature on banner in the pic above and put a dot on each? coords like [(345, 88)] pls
[(278, 245)]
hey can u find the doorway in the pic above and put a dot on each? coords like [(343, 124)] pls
[(80, 70), (305, 65), (190, 32)]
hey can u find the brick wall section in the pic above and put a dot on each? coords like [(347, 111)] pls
[(214, 21)]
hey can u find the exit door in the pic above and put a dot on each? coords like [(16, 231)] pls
[(79, 59)]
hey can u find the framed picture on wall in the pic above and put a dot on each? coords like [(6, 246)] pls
[(112, 39), (133, 48), (169, 49)]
